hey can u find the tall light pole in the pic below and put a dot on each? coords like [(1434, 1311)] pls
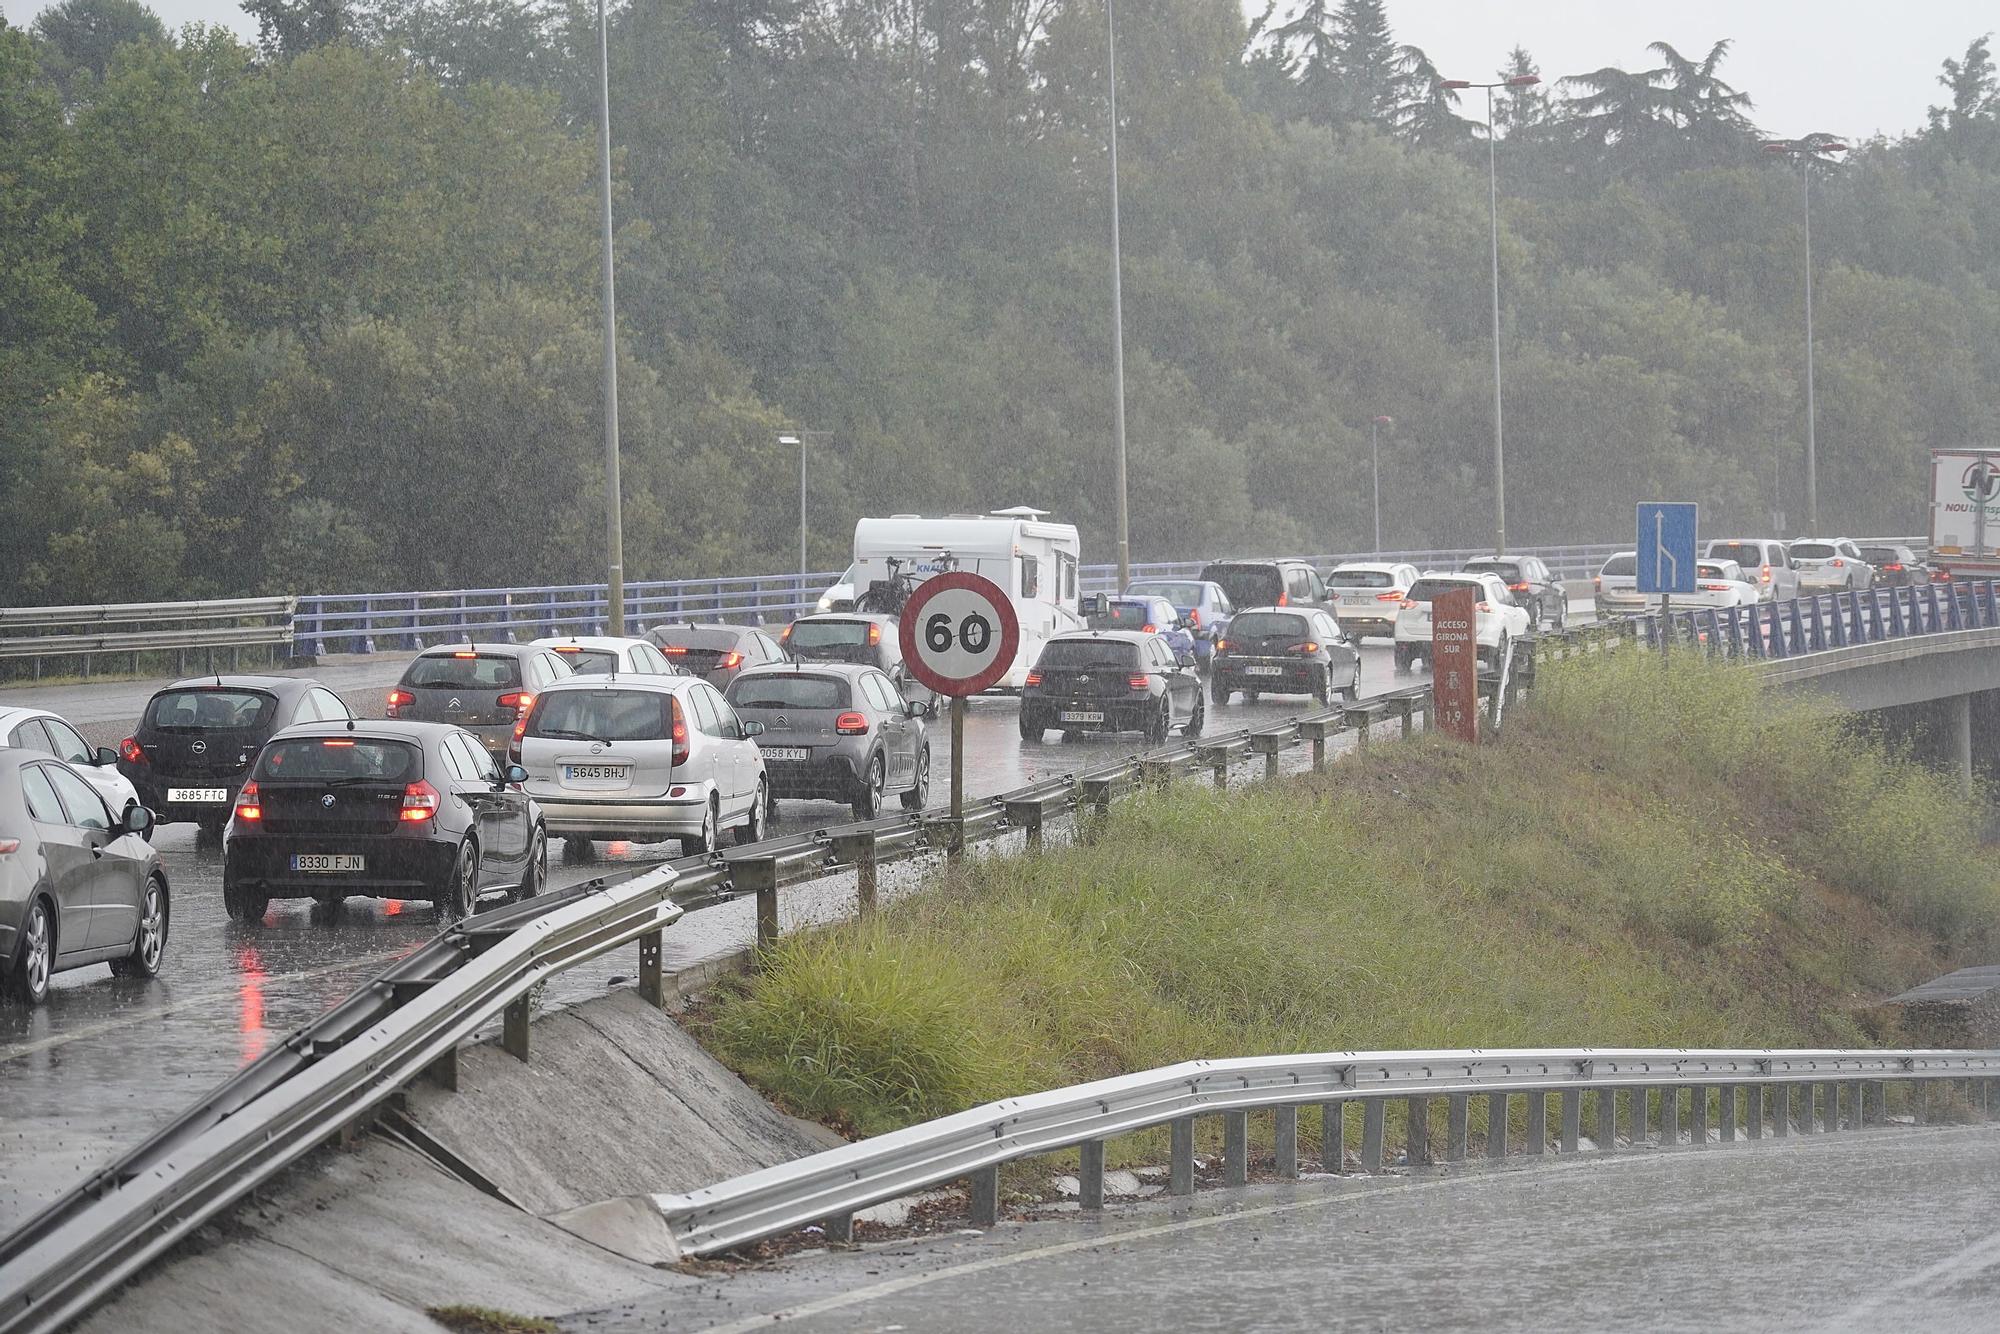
[(1806, 152), (614, 525), (1493, 228), (801, 439), (1375, 460), (1117, 302)]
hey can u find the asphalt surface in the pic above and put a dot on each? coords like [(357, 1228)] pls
[(107, 1061), (1888, 1229)]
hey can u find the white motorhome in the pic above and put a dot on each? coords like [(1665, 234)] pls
[(1033, 560)]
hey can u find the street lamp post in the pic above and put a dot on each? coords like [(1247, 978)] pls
[(1807, 151), (801, 439), (614, 526), (1117, 303), (1493, 228), (1375, 463)]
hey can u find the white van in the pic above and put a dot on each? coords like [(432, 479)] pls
[(1035, 561)]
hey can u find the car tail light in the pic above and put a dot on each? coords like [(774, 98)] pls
[(1138, 682), (338, 743), (680, 732), (517, 700), (465, 653), (1149, 628), (1839, 564), (874, 635), (568, 648), (1518, 588), (1034, 678), (130, 751), (785, 635), (1715, 588), (1310, 646), (1940, 576), (1222, 646), (731, 660), (1194, 617), (679, 651), (1284, 599), (1765, 576), (1599, 581), (1408, 604), (1393, 595), (420, 801), (249, 806), (1485, 606), (520, 728), (851, 724), (1893, 565), (8, 845)]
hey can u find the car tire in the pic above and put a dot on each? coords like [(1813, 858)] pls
[(1252, 696), (577, 850), (1219, 691), (244, 905), (34, 956), (1352, 690), (919, 795), (867, 802), (455, 897), (1322, 686), (704, 844), (1031, 724), (536, 877), (149, 944), (752, 829), (208, 827), (1161, 724), (1199, 718), (1405, 661)]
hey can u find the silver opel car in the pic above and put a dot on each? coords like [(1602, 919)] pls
[(642, 758)]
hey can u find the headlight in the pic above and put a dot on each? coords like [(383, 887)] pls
[(826, 602)]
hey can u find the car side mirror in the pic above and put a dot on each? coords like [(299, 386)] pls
[(136, 820), (105, 757), (1184, 660), (514, 773), (753, 728), (916, 708)]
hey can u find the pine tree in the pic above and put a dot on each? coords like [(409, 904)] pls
[(1368, 60), (1520, 110)]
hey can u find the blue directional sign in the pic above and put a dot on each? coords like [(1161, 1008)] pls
[(1666, 547)]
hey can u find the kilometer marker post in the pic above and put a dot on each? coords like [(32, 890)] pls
[(959, 636)]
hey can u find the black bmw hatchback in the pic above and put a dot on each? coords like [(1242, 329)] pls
[(1112, 681), (392, 810), (196, 739)]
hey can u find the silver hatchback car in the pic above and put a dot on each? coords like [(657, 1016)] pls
[(838, 731), (642, 758)]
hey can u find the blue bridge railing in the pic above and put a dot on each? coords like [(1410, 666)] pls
[(1831, 620)]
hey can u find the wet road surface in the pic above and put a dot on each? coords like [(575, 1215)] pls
[(1887, 1229)]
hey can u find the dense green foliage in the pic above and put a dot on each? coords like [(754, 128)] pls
[(322, 315), (1709, 864)]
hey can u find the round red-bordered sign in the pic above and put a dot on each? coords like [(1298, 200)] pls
[(958, 633)]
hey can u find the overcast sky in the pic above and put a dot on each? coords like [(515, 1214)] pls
[(1851, 67)]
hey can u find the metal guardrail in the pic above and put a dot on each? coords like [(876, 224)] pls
[(144, 627), (322, 1079), (828, 1188), (1776, 630)]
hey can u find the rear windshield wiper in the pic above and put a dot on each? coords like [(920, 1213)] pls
[(562, 735)]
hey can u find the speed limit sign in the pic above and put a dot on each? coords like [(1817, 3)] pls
[(959, 633)]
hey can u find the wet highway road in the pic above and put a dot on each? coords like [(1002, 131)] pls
[(108, 1060)]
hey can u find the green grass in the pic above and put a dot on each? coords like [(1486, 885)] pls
[(486, 1320), (1594, 878)]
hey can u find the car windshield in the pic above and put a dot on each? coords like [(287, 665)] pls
[(1425, 590), (789, 692), (328, 759), (1814, 550), (1361, 579), (463, 670), (1625, 563), (212, 708), (1181, 595), (602, 715), (1087, 653), (1746, 554), (1267, 625), (589, 661), (833, 634), (1247, 585)]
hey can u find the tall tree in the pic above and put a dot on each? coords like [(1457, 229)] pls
[(79, 37), (1711, 115), (1426, 110), (1368, 60), (1518, 111), (1308, 43), (292, 27)]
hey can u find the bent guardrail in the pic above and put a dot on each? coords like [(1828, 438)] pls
[(828, 1188), (85, 632)]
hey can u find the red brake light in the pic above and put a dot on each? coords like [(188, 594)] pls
[(1310, 646), (1599, 581), (785, 635), (1138, 682), (336, 741), (517, 700), (1518, 588), (420, 801), (1149, 628), (874, 635), (1765, 576), (1715, 588), (1284, 599), (465, 653), (131, 752), (1408, 603), (1839, 564), (1194, 618), (1485, 606), (679, 651), (249, 808), (568, 648), (731, 660), (851, 724), (680, 732), (1034, 678), (8, 845), (1893, 565), (1393, 595)]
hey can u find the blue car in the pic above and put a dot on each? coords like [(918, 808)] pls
[(1149, 615), (1204, 608)]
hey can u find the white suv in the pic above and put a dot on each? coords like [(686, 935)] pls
[(1828, 564), (1497, 622), (642, 758), (1368, 594)]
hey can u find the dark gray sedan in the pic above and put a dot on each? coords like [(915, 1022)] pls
[(838, 732), (78, 885), (484, 688)]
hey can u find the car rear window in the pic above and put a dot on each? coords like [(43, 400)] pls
[(1181, 595), (1627, 564), (589, 661), (831, 634), (211, 708), (789, 692), (1264, 624), (1087, 653), (463, 671), (1426, 590), (324, 759), (1508, 570), (1360, 579), (700, 638), (1746, 554), (601, 715), (1247, 585), (1122, 614), (1814, 550), (1709, 569), (1881, 555)]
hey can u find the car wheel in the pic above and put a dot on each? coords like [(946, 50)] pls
[(1219, 691), (1403, 661), (702, 844), (455, 897), (34, 956), (536, 877), (1352, 691), (1252, 696), (208, 828), (577, 850), (1199, 718), (150, 944), (1161, 724), (244, 905), (752, 828), (919, 795), (1031, 724), (868, 797), (1322, 685)]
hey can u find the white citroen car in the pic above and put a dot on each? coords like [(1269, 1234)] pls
[(1497, 619)]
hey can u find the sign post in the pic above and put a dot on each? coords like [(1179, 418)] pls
[(1666, 547), (1455, 663), (959, 635)]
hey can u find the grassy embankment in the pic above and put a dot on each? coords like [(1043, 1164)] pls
[(1650, 857)]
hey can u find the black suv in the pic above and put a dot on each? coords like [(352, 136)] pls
[(1283, 651), (196, 739), (1112, 681), (1529, 579), (1271, 583)]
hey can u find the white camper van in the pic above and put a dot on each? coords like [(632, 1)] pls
[(1033, 560)]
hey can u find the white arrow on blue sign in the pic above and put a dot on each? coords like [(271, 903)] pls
[(1666, 547)]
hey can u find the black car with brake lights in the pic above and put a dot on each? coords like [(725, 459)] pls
[(196, 740), (1285, 651), (381, 809), (1112, 681), (1533, 585)]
